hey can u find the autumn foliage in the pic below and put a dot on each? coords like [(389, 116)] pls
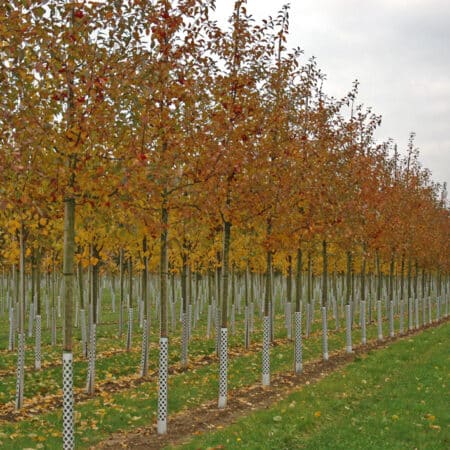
[(133, 107)]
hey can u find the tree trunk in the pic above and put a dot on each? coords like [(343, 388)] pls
[(145, 299), (348, 305), (68, 273), (324, 300), (21, 327), (223, 342), (298, 353), (185, 300), (164, 297)]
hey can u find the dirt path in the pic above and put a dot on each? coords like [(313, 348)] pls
[(242, 401)]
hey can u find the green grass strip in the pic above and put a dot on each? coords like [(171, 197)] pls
[(395, 398)]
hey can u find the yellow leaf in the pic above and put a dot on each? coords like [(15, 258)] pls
[(317, 414)]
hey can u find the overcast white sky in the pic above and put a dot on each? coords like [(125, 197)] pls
[(399, 50)]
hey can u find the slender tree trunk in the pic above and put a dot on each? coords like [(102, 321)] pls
[(363, 297), (298, 350), (21, 327), (145, 298), (348, 305), (410, 300), (289, 299), (324, 300), (68, 273), (121, 283), (324, 274), (298, 283), (37, 359), (267, 314), (247, 309), (223, 343), (32, 294), (391, 295), (210, 276), (379, 304), (164, 338), (233, 299), (185, 300), (90, 382), (309, 287), (130, 304), (349, 278)]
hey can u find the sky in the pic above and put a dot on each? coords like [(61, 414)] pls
[(399, 50)]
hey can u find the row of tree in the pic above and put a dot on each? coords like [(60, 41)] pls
[(176, 140)]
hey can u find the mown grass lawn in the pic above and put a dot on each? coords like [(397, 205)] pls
[(395, 398)]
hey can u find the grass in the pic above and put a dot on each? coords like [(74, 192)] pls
[(395, 398), (129, 408)]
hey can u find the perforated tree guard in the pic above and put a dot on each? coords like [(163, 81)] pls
[(348, 328), (223, 368), (336, 314), (217, 330), (163, 386), (424, 311), (37, 352), (298, 365), (31, 320), (208, 326), (379, 321), (266, 352), (324, 334), (130, 329), (141, 313), (83, 332), (289, 320), (233, 318), (272, 320), (173, 321), (90, 384), (363, 323), (438, 308), (20, 371), (391, 319), (430, 316), (189, 321), (308, 319), (99, 307), (410, 314), (198, 308), (53, 327), (68, 406), (120, 320), (77, 315), (196, 315), (247, 327), (144, 352), (416, 311), (12, 333), (401, 326), (47, 312), (184, 339)]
